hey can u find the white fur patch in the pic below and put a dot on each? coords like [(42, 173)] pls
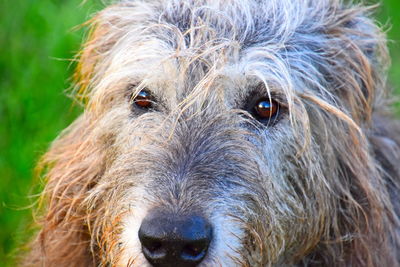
[(227, 236), (131, 254)]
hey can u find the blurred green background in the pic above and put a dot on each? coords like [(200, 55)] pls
[(38, 39)]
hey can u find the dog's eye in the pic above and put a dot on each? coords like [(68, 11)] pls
[(144, 99), (266, 109)]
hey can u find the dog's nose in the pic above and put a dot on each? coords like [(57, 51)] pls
[(169, 239)]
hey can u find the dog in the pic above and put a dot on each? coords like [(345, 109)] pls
[(226, 133)]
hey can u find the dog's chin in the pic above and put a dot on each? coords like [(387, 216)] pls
[(132, 261), (140, 261)]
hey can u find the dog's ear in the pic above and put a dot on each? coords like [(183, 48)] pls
[(359, 61), (93, 50), (71, 167), (356, 56)]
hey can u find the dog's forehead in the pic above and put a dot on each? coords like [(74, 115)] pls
[(173, 75), (188, 43)]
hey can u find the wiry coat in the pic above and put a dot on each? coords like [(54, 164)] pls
[(317, 187)]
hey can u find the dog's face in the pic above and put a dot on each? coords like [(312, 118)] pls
[(225, 129)]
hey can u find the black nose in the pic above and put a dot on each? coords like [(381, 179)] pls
[(170, 239)]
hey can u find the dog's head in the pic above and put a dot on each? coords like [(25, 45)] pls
[(221, 133)]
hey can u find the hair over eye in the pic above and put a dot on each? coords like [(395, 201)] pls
[(143, 99), (266, 108)]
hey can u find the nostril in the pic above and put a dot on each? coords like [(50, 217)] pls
[(195, 250), (192, 250), (154, 247)]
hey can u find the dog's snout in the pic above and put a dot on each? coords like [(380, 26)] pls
[(170, 239)]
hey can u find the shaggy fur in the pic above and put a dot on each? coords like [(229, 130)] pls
[(317, 186)]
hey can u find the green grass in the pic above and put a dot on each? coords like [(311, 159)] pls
[(389, 14), (36, 42)]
